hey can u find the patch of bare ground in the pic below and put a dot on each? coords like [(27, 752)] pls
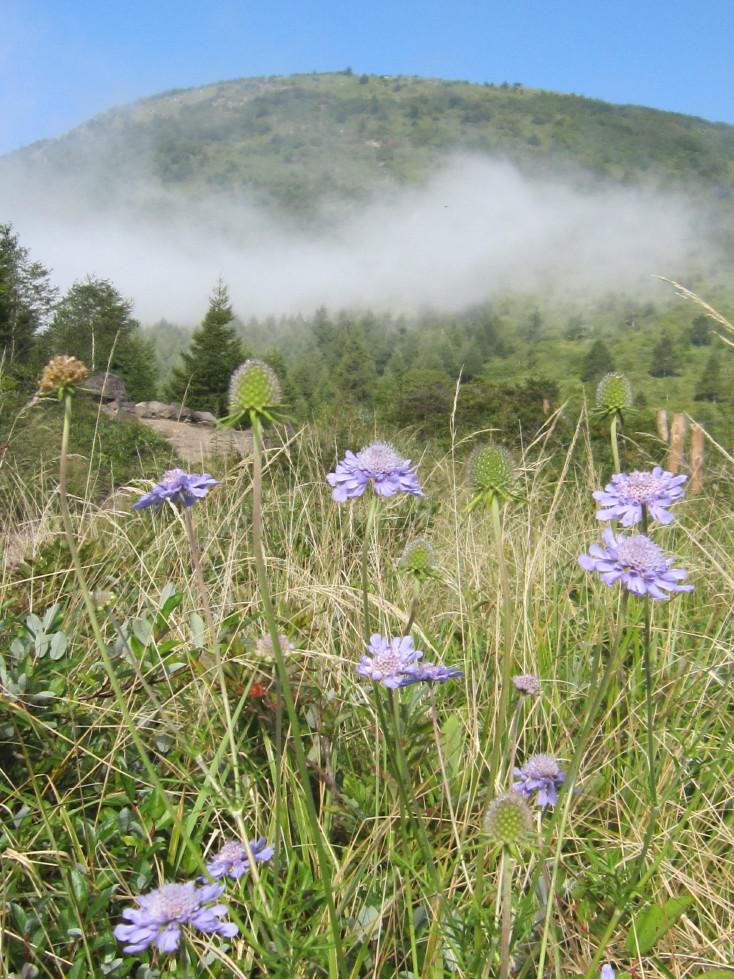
[(194, 443)]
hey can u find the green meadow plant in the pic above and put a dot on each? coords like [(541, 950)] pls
[(240, 738)]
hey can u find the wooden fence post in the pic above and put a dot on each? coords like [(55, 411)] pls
[(663, 425), (696, 458), (677, 434)]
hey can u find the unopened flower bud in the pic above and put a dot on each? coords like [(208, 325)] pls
[(509, 819)]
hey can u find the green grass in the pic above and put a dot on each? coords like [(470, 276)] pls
[(84, 828)]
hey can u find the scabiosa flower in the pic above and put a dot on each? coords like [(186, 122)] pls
[(178, 487), (607, 972), (158, 919), (613, 394), (380, 463), (541, 774), (62, 374), (254, 392), (508, 819), (638, 563), (527, 683), (389, 660), (264, 647), (430, 673), (233, 860), (626, 495)]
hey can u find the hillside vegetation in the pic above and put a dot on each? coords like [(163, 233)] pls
[(309, 143)]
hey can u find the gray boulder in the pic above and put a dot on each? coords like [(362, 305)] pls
[(107, 387)]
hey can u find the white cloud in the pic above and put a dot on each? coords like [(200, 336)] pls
[(477, 228)]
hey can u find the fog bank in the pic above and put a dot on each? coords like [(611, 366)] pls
[(477, 228)]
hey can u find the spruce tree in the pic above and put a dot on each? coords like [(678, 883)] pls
[(597, 362), (201, 381), (26, 298)]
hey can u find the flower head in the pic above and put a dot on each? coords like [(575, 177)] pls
[(541, 774), (380, 463), (178, 487), (62, 374), (492, 474), (264, 647), (613, 394), (626, 495), (254, 393), (638, 562), (508, 819), (418, 559), (527, 683), (607, 972), (233, 859), (388, 661), (158, 919), (430, 673)]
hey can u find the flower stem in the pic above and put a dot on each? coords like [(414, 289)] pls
[(371, 516), (615, 446), (507, 643), (316, 832)]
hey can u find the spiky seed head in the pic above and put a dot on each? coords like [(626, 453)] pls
[(62, 373), (418, 557), (492, 469), (614, 392), (509, 819), (254, 386)]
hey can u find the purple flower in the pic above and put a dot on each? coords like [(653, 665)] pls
[(430, 673), (607, 972), (388, 661), (638, 562), (161, 913), (178, 487), (626, 495), (233, 860), (527, 683), (541, 774), (379, 462)]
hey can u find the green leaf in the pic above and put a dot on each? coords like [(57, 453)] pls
[(58, 645), (654, 922), (453, 742), (80, 887)]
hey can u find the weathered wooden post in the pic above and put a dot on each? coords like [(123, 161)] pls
[(696, 458), (663, 425), (677, 434)]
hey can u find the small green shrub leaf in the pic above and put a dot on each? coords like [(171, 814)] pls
[(651, 924)]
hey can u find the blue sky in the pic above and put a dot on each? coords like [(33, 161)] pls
[(63, 61)]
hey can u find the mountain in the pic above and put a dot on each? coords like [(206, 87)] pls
[(323, 144)]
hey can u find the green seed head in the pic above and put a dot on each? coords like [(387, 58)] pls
[(492, 470), (509, 819), (614, 392), (254, 386), (418, 558)]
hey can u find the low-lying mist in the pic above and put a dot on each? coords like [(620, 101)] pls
[(477, 228)]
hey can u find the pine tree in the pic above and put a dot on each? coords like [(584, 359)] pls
[(665, 360), (26, 298), (597, 362), (710, 387), (201, 381)]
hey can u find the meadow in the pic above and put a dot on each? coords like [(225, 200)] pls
[(183, 678)]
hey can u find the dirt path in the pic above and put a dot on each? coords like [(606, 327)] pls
[(194, 443)]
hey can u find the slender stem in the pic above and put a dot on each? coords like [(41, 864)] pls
[(371, 515), (506, 678), (413, 606), (615, 445), (560, 817), (506, 932), (316, 832)]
